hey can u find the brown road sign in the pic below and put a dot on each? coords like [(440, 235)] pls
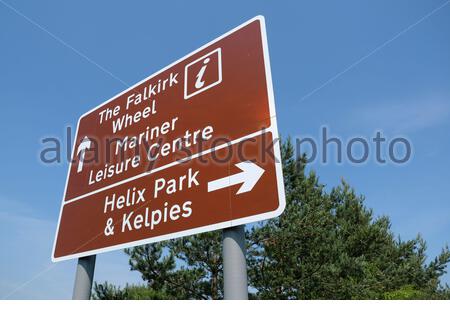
[(192, 148)]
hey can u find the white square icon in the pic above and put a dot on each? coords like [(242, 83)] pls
[(203, 73)]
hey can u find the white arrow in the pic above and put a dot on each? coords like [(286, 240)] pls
[(250, 175), (84, 145)]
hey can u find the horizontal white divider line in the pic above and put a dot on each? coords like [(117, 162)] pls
[(169, 165)]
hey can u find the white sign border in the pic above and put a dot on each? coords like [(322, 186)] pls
[(278, 168)]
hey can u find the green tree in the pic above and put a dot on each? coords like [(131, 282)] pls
[(326, 245), (330, 246), (184, 268), (108, 291)]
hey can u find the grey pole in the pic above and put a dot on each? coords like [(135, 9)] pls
[(234, 264), (84, 278)]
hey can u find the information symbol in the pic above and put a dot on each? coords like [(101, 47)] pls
[(200, 83), (203, 73)]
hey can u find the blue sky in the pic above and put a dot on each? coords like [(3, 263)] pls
[(353, 66)]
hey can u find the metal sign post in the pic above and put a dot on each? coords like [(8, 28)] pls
[(84, 278), (234, 263)]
